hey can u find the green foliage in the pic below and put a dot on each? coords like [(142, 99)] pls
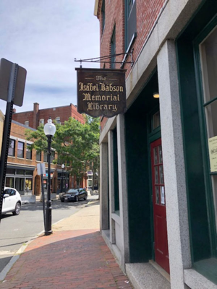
[(38, 137), (76, 144)]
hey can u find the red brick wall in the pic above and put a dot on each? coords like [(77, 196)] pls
[(114, 17), (64, 112), (21, 117), (76, 114), (146, 12), (18, 131)]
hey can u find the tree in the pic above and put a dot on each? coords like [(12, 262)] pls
[(76, 144)]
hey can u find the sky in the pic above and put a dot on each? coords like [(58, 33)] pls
[(44, 37)]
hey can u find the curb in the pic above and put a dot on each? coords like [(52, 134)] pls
[(16, 256)]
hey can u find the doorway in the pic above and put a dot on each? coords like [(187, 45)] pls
[(159, 206)]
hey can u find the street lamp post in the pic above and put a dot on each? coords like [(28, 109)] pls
[(49, 130), (63, 166)]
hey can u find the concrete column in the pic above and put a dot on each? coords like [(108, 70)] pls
[(104, 206), (123, 197), (174, 170)]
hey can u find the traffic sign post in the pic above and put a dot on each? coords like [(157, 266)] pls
[(12, 85), (41, 172)]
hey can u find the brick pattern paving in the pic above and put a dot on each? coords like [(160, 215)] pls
[(66, 259)]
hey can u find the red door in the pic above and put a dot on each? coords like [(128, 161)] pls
[(159, 206)]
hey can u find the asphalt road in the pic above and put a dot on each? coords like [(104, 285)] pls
[(17, 230)]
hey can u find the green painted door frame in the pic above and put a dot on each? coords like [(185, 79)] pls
[(199, 191)]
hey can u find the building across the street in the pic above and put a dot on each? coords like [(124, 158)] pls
[(40, 116), (22, 162), (158, 160)]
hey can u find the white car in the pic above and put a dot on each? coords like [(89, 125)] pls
[(11, 201)]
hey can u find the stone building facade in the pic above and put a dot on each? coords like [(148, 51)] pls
[(158, 176)]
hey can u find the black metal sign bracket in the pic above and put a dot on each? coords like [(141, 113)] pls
[(108, 59)]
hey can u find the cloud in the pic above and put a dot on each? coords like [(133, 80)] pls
[(44, 37)]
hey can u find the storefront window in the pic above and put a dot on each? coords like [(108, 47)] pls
[(29, 173), (19, 185), (208, 57), (10, 171), (9, 182), (20, 172), (28, 185)]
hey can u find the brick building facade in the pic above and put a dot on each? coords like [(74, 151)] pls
[(158, 160), (40, 116), (22, 162), (22, 166)]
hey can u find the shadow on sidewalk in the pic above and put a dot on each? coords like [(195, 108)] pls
[(92, 203), (67, 259)]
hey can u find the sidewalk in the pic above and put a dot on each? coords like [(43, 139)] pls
[(74, 256)]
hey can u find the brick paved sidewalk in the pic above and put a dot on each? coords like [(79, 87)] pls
[(67, 259)]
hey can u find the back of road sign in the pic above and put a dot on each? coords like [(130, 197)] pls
[(5, 72)]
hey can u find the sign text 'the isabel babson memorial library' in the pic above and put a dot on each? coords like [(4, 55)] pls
[(101, 92)]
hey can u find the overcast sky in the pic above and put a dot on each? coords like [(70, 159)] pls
[(44, 37)]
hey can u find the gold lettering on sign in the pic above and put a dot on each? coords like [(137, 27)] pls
[(110, 87), (100, 87), (88, 96), (98, 77), (97, 106), (88, 87)]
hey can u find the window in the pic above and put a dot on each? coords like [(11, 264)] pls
[(58, 120), (28, 185), (45, 156), (20, 149), (20, 172), (10, 171), (130, 22), (115, 168), (208, 60), (26, 123), (38, 156), (9, 182), (113, 49), (11, 149), (103, 15), (28, 152), (10, 192), (28, 173), (156, 120), (41, 121), (52, 156)]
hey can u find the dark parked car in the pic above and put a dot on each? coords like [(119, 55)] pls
[(74, 195)]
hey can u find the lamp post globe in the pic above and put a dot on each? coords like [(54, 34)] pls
[(49, 130)]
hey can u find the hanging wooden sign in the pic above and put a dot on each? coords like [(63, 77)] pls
[(101, 92)]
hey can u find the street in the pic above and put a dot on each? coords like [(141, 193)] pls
[(17, 230)]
